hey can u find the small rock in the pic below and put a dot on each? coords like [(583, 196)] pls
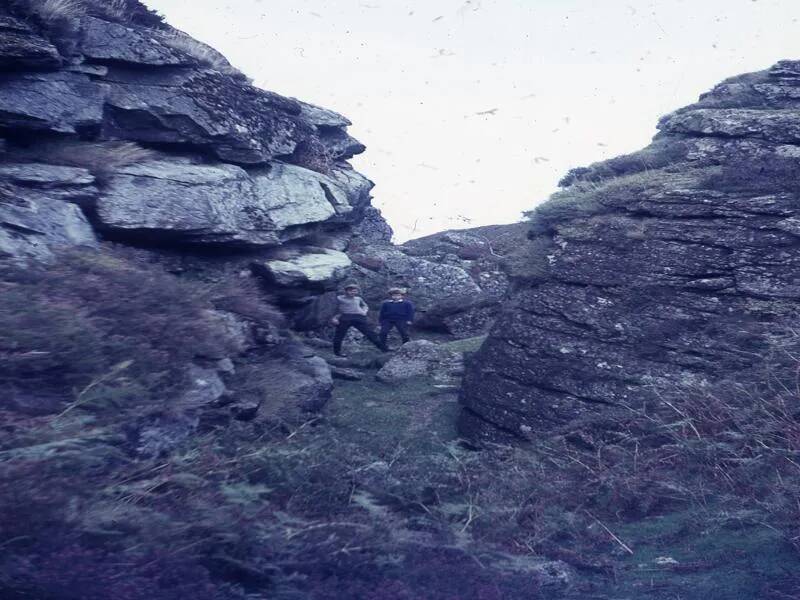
[(206, 387), (318, 342), (310, 267), (346, 374), (358, 362), (226, 365), (421, 358)]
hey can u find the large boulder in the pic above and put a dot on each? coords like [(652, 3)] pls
[(489, 242), (37, 214), (663, 272), (182, 200), (462, 316), (203, 108), (457, 278), (427, 282), (422, 358), (294, 384), (305, 268)]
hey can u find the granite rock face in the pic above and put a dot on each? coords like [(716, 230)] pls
[(300, 383), (664, 271), (102, 41), (481, 252), (457, 279), (22, 48), (308, 268), (61, 102), (37, 211), (421, 358), (118, 128), (229, 164), (219, 203)]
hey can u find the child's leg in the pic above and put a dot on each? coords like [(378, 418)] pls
[(338, 336), (386, 327), (402, 327), (364, 327)]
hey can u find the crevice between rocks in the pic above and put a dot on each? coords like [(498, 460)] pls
[(552, 390), (515, 434)]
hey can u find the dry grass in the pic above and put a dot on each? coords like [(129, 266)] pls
[(116, 10), (101, 159), (205, 55), (52, 12)]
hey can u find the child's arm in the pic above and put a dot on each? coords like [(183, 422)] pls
[(382, 313), (410, 311)]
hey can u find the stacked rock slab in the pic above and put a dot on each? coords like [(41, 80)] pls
[(665, 271), (116, 127), (227, 165)]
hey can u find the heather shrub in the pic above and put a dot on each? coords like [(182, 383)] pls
[(76, 572), (661, 153), (245, 298), (83, 513), (97, 324)]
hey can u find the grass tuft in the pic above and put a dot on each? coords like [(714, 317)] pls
[(101, 159), (53, 13), (103, 329), (204, 54)]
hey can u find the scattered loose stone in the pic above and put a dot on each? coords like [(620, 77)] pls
[(346, 374)]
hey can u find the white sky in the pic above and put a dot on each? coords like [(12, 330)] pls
[(572, 82)]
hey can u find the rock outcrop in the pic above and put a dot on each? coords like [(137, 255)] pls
[(38, 210), (118, 128), (457, 279), (179, 147), (21, 47), (661, 272), (421, 358)]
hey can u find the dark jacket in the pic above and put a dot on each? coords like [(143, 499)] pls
[(396, 311)]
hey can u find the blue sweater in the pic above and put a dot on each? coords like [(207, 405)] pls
[(396, 311)]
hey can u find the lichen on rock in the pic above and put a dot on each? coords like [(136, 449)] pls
[(667, 266)]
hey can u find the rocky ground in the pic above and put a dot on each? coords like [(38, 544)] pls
[(600, 403)]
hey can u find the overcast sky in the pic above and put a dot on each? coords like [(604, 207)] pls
[(472, 110)]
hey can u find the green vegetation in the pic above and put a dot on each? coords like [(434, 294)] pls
[(662, 152), (585, 199), (376, 497), (106, 327)]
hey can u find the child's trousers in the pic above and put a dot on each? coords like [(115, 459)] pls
[(386, 327)]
